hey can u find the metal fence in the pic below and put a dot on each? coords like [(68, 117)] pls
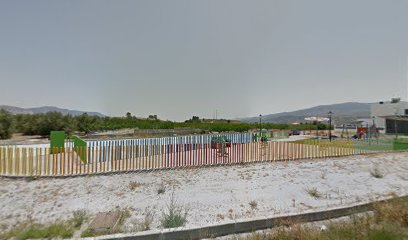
[(192, 139), (105, 158), (114, 156)]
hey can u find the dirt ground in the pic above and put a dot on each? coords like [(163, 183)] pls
[(20, 139), (211, 195)]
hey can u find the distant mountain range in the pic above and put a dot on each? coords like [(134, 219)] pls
[(342, 113), (45, 109)]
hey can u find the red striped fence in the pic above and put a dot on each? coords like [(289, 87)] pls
[(25, 161)]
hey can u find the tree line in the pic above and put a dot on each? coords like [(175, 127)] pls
[(43, 124)]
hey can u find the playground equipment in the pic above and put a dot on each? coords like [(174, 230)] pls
[(57, 144), (367, 132), (57, 141), (271, 135), (344, 131), (221, 143)]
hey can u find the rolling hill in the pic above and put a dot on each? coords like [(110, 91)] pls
[(45, 109), (342, 113)]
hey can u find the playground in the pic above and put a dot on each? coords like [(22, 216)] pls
[(215, 179), (76, 157)]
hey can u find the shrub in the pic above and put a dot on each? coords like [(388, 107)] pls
[(124, 214), (175, 216), (6, 125), (79, 217)]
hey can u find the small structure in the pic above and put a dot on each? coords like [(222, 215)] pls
[(317, 120), (385, 114)]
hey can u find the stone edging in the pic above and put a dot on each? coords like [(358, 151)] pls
[(243, 227)]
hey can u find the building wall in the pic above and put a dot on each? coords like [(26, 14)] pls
[(379, 110), (400, 126)]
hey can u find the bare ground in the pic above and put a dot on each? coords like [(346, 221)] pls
[(211, 195)]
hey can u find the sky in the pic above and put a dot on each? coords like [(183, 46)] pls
[(179, 58)]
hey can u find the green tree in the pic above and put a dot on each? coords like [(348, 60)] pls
[(152, 117), (70, 124), (85, 123), (51, 121), (322, 126), (6, 125)]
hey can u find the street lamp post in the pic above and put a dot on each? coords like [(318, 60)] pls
[(260, 126), (395, 123), (330, 124)]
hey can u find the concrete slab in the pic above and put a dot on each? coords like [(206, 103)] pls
[(105, 221)]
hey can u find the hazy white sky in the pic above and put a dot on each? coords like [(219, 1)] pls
[(182, 58)]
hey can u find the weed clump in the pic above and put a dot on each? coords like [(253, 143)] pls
[(42, 231), (176, 216), (313, 192), (161, 189), (376, 172), (79, 217), (253, 204), (134, 185), (145, 224)]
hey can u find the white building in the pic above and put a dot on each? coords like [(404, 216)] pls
[(382, 110)]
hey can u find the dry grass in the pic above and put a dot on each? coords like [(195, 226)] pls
[(220, 216), (313, 192), (253, 204), (395, 211), (56, 230), (79, 217), (145, 223), (161, 189), (389, 222), (376, 172), (134, 185)]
